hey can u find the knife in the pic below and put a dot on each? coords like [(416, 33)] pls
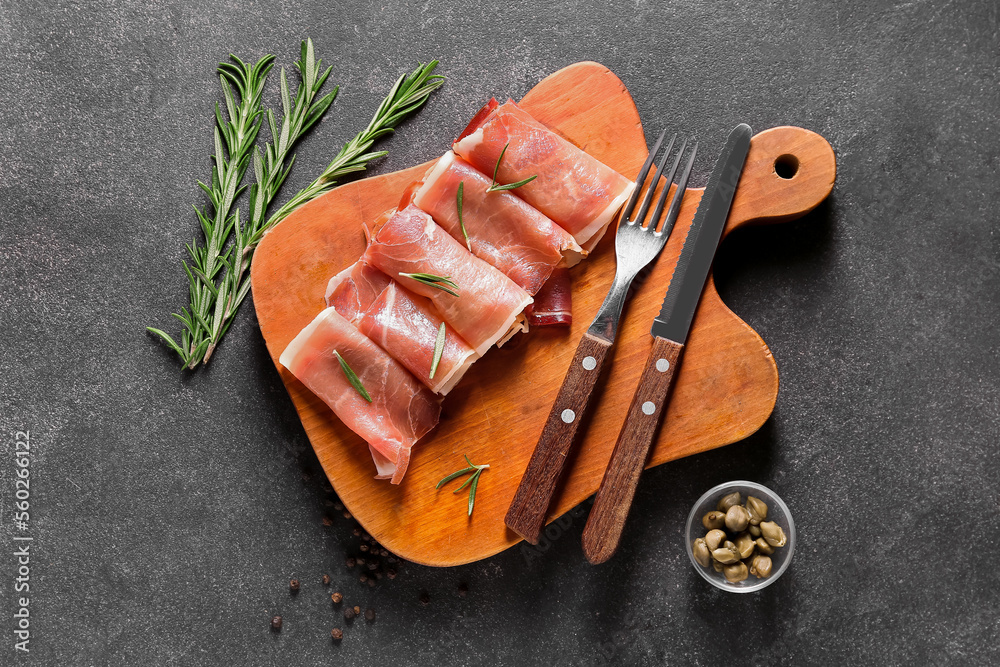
[(670, 330)]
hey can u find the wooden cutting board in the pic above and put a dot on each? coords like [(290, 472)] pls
[(725, 391)]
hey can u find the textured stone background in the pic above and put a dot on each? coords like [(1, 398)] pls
[(170, 510)]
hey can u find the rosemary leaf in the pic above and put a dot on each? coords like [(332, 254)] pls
[(168, 340), (455, 475), (443, 283), (472, 490), (468, 481), (496, 187), (438, 350), (511, 186), (458, 198), (496, 167), (352, 377)]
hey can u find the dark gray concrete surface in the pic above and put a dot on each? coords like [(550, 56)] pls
[(168, 511)]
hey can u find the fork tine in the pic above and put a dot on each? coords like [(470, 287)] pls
[(675, 202), (656, 181), (661, 202), (630, 206)]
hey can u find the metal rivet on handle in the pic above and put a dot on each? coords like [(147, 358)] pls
[(662, 365), (568, 416), (648, 408), (589, 363)]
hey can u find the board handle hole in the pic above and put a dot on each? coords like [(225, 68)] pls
[(786, 166)]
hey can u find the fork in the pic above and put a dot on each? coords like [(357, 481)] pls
[(636, 245)]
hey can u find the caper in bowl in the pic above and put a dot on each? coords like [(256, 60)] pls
[(740, 536)]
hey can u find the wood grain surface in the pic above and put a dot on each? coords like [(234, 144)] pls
[(725, 390)]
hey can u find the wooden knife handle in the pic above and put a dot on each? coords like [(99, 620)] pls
[(530, 505), (614, 497)]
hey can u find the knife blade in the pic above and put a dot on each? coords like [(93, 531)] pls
[(670, 330), (688, 280)]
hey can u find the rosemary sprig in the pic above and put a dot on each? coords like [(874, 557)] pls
[(215, 300), (438, 350), (352, 377), (234, 140), (406, 96), (494, 186), (461, 223), (443, 283), (475, 472)]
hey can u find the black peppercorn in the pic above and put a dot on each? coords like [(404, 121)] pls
[(364, 547), (364, 578), (348, 613), (369, 615), (372, 566), (350, 562), (326, 580), (463, 589), (391, 573), (371, 582), (293, 585), (276, 624), (425, 598)]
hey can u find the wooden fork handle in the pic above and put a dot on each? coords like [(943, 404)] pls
[(607, 518), (530, 505)]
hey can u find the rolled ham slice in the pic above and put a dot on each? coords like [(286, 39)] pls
[(577, 191), (503, 230), (354, 290), (489, 304), (384, 468), (406, 326), (402, 409)]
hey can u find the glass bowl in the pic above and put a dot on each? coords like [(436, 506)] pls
[(777, 511)]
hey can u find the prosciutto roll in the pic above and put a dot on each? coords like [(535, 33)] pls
[(401, 411), (505, 231), (354, 290), (578, 192), (384, 468), (406, 326), (488, 302)]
